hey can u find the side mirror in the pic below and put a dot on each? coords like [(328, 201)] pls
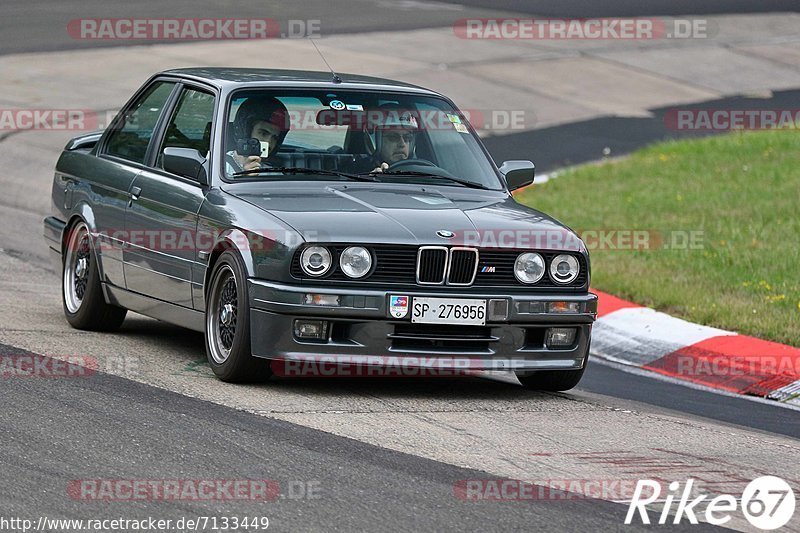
[(186, 162), (518, 173)]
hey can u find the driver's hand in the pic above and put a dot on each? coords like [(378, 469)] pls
[(381, 168)]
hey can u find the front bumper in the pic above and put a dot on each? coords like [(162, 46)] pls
[(361, 330)]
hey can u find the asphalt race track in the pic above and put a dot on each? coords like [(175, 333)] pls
[(329, 483), (346, 454)]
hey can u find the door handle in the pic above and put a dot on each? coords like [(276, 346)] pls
[(135, 192)]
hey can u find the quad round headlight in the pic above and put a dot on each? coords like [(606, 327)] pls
[(315, 260), (355, 262), (529, 267), (564, 269)]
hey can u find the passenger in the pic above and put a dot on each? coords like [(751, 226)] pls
[(265, 119)]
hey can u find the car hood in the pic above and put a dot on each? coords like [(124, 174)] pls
[(404, 214)]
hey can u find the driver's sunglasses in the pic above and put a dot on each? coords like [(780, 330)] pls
[(394, 137)]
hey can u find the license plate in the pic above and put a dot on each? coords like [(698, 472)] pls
[(448, 311)]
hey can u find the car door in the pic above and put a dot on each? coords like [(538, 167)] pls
[(161, 219), (121, 157)]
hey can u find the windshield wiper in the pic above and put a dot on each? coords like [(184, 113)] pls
[(465, 183), (301, 170)]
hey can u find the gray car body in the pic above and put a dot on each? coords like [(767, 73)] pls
[(280, 216)]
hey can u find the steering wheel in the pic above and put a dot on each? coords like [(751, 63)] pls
[(403, 163)]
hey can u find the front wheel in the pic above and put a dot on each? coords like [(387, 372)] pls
[(552, 380), (81, 293), (227, 332)]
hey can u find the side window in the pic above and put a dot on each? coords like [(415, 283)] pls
[(130, 141), (190, 124)]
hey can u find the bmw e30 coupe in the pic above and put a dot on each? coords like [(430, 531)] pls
[(293, 216)]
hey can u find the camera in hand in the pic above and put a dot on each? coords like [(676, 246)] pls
[(248, 147)]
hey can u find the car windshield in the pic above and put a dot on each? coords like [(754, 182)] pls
[(395, 137)]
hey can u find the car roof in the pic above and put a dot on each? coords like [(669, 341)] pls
[(229, 78)]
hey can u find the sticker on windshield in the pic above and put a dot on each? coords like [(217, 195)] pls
[(461, 128), (355, 107), (338, 105), (455, 119)]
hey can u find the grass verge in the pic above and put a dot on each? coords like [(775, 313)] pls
[(735, 197)]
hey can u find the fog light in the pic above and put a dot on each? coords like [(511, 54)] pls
[(564, 307), (321, 299), (559, 337), (311, 329)]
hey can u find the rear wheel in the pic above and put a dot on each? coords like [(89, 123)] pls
[(82, 296), (552, 380), (227, 332)]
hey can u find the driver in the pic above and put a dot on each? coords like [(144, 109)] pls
[(263, 118), (394, 135)]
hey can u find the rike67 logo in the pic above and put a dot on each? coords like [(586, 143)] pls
[(767, 503)]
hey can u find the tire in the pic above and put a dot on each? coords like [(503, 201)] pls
[(81, 293), (227, 332), (552, 380)]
